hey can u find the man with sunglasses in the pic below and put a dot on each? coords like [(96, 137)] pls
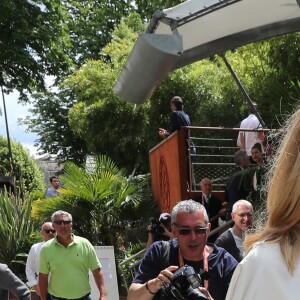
[(68, 259), (190, 227), (232, 239), (32, 263)]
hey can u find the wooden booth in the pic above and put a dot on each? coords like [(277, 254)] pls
[(169, 173)]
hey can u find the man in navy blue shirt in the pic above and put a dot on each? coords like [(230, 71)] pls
[(180, 118), (190, 227)]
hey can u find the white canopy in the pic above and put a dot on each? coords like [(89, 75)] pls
[(198, 29)]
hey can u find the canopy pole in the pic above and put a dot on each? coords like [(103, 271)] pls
[(244, 92), (9, 153)]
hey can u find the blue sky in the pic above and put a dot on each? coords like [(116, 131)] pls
[(17, 132)]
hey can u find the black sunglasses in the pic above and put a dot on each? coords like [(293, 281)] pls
[(59, 222), (49, 230), (187, 231)]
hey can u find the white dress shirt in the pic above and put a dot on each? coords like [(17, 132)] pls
[(32, 264)]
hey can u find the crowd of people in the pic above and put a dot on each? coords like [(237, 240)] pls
[(58, 267), (183, 260), (253, 259)]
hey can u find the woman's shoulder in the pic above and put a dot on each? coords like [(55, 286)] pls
[(262, 251)]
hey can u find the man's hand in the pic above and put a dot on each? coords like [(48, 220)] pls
[(167, 232), (103, 296), (164, 276), (37, 290), (242, 140), (223, 212), (204, 291), (162, 133), (147, 290)]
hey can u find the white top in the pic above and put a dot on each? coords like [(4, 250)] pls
[(263, 275), (251, 138), (32, 264)]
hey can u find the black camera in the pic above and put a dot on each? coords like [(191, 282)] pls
[(184, 285), (157, 230)]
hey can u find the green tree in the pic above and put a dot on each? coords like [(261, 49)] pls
[(50, 121), (93, 109), (99, 117), (98, 122), (50, 37), (34, 43), (210, 94), (147, 8), (91, 26), (102, 201), (26, 172)]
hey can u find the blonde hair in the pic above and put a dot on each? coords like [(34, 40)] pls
[(283, 201)]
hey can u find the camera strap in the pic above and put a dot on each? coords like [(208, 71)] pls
[(205, 263)]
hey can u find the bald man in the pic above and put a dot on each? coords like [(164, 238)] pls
[(32, 264)]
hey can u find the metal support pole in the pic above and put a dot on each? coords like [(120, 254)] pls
[(244, 92), (9, 154)]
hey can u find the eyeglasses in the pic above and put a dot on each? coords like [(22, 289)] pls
[(243, 215), (59, 222), (186, 231), (49, 230)]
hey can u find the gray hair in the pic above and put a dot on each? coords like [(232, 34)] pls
[(188, 206), (239, 156), (241, 202), (61, 212)]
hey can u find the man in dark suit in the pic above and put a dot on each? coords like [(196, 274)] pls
[(213, 205), (232, 239)]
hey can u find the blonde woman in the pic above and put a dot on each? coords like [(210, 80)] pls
[(271, 268)]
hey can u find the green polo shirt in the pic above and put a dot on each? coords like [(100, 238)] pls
[(69, 267)]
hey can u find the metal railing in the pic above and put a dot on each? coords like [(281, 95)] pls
[(215, 149)]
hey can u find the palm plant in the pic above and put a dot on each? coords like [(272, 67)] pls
[(102, 201), (15, 226)]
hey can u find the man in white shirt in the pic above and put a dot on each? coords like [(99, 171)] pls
[(32, 264), (232, 239), (247, 138)]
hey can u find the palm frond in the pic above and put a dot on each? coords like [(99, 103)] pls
[(16, 223)]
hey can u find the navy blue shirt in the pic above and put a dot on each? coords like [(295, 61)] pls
[(220, 267), (179, 118)]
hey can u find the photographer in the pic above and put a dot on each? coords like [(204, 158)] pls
[(159, 230), (190, 227)]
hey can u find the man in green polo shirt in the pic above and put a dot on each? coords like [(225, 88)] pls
[(68, 258)]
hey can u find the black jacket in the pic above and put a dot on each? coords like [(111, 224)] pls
[(227, 242), (212, 208)]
